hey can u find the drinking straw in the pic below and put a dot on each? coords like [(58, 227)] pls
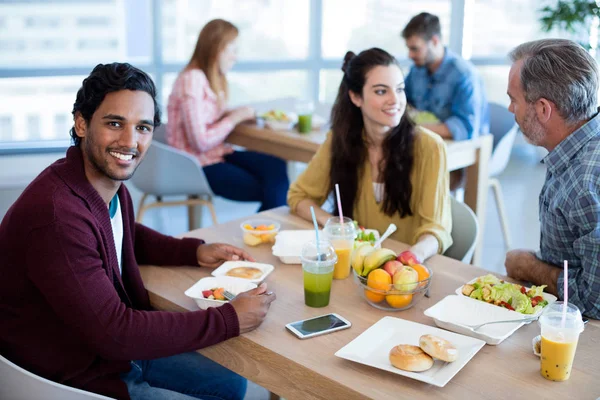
[(314, 218), (566, 293), (339, 201)]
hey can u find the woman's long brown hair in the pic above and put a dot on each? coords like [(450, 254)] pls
[(213, 39), (349, 151)]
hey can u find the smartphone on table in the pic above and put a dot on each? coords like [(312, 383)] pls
[(318, 326)]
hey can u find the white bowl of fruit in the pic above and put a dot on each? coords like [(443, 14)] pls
[(208, 292), (387, 281)]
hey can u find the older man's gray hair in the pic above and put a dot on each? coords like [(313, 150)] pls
[(562, 72)]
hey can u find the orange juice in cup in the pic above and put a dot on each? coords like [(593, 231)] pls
[(341, 234), (559, 340)]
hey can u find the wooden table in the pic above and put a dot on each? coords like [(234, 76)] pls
[(308, 369), (474, 155)]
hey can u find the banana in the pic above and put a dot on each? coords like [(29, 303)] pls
[(376, 259), (358, 256)]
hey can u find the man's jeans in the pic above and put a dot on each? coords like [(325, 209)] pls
[(185, 376)]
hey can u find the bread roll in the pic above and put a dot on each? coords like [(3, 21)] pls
[(410, 358), (245, 272), (438, 348)]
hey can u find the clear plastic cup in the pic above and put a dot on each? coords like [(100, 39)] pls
[(305, 109), (559, 341), (341, 236), (317, 268)]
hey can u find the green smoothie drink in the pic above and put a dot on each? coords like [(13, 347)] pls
[(317, 266), (304, 109)]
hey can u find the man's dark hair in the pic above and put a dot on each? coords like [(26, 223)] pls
[(107, 78), (424, 25)]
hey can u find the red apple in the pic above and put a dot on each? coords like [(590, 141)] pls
[(392, 266), (408, 258), (405, 279)]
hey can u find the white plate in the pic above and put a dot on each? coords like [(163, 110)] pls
[(233, 285), (288, 244), (373, 346), (453, 312), (550, 298), (226, 266)]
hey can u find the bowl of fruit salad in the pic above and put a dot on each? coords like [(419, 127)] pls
[(208, 292), (279, 120), (365, 235), (258, 231)]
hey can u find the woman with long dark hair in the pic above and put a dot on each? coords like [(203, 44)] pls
[(388, 169), (199, 123)]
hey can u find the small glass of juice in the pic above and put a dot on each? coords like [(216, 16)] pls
[(317, 268), (305, 110), (560, 334), (341, 234)]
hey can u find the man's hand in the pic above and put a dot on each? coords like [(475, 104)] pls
[(252, 306), (519, 263), (215, 254)]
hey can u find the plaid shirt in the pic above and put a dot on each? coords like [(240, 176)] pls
[(196, 123), (570, 215)]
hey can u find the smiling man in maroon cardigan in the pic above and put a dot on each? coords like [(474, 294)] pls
[(74, 308)]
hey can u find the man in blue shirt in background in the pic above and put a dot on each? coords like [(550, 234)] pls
[(553, 88), (443, 84)]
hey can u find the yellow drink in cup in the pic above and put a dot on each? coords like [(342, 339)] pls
[(559, 340), (342, 267), (557, 359), (341, 235)]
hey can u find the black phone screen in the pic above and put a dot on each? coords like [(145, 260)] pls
[(319, 324)]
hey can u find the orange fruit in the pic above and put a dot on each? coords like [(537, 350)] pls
[(398, 300), (422, 271), (380, 280)]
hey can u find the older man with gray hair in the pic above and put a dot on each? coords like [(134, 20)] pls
[(553, 89)]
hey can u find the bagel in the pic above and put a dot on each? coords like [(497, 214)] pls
[(410, 358), (438, 348)]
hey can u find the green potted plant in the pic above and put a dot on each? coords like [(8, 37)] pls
[(573, 16)]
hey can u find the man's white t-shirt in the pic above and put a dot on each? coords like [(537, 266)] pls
[(116, 221)]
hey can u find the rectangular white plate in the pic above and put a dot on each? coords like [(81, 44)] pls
[(288, 244), (373, 347), (453, 312), (226, 266), (550, 298)]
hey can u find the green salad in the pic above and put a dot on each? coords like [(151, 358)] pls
[(362, 235), (514, 297)]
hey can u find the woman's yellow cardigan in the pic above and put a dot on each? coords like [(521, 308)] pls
[(429, 203)]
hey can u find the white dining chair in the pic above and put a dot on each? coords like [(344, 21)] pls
[(17, 383), (167, 171), (465, 229), (504, 129)]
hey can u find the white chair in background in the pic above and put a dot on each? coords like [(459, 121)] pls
[(167, 171), (17, 383), (464, 232), (504, 129)]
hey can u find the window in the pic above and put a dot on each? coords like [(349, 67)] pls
[(495, 79), (253, 87), (514, 22), (73, 33), (269, 29), (374, 23), (30, 107)]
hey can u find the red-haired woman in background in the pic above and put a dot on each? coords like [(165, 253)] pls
[(199, 123)]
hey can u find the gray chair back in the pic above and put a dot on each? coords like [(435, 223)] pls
[(464, 232), (160, 134), (504, 129), (166, 171), (17, 383)]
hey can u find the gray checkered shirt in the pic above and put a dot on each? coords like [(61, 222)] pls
[(570, 215)]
